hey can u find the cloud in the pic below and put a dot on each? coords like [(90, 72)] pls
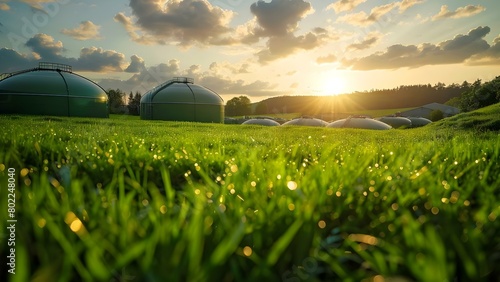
[(85, 31), (330, 58), (283, 46), (185, 22), (37, 3), (406, 4), (136, 64), (363, 19), (370, 40), (99, 60), (344, 5), (461, 12), (279, 17), (4, 7), (277, 21), (135, 33), (45, 48), (232, 68), (13, 61), (490, 56), (454, 51)]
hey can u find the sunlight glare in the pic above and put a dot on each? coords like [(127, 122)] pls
[(333, 86)]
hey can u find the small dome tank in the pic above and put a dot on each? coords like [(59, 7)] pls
[(261, 121), (52, 89), (396, 122), (179, 99), (306, 121), (419, 121), (359, 122)]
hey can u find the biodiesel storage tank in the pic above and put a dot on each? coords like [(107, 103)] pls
[(179, 99), (261, 121), (51, 89), (359, 122), (396, 121), (306, 121)]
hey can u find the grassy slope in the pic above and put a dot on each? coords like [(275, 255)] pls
[(487, 118), (118, 198)]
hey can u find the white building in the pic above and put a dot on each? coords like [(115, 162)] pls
[(426, 110)]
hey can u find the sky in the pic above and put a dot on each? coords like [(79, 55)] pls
[(259, 49)]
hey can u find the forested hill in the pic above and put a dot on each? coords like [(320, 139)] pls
[(400, 97)]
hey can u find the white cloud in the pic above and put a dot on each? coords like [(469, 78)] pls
[(85, 31), (461, 12), (330, 58), (185, 23), (453, 51), (344, 5)]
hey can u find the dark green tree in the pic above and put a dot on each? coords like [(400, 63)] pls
[(238, 106), (436, 115), (134, 103), (261, 108), (115, 101), (480, 95)]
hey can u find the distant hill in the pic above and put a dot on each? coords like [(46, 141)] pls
[(400, 97), (487, 118)]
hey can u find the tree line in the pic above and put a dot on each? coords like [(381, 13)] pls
[(479, 95), (116, 102), (466, 96)]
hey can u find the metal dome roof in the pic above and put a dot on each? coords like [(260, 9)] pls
[(179, 99), (419, 121), (396, 122), (52, 89), (261, 121), (181, 90), (359, 122), (306, 121)]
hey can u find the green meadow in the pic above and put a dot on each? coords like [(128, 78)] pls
[(128, 200)]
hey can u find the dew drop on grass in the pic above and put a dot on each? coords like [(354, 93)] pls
[(234, 168), (247, 251), (163, 209), (292, 185), (222, 207), (321, 224), (435, 210), (41, 222)]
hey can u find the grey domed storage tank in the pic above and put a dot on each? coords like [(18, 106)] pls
[(359, 122), (261, 121), (52, 89), (419, 121), (306, 121), (396, 122), (179, 99)]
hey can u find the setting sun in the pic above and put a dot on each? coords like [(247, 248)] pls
[(333, 86)]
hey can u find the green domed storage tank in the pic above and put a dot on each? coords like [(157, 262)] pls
[(179, 99), (52, 89)]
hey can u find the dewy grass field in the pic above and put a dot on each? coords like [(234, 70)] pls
[(131, 200)]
